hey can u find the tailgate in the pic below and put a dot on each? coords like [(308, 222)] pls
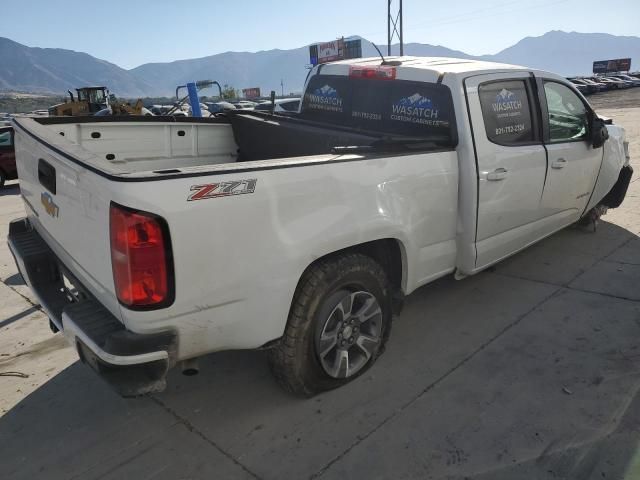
[(68, 205)]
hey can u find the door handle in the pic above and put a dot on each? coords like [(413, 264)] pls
[(559, 163), (497, 174)]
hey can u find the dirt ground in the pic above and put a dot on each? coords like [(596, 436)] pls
[(627, 98), (528, 371)]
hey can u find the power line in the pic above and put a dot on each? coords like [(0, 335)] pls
[(470, 15)]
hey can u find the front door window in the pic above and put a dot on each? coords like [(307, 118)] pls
[(567, 114)]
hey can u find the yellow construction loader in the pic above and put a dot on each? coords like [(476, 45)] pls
[(91, 100)]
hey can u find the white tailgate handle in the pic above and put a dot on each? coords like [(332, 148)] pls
[(497, 174), (559, 163)]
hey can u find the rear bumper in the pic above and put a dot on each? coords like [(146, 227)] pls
[(132, 363)]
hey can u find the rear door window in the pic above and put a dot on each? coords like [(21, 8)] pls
[(507, 112)]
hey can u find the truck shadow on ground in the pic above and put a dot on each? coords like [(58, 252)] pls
[(14, 280), (469, 387)]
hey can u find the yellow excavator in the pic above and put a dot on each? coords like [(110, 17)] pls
[(91, 100)]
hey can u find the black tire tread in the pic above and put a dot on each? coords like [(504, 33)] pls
[(283, 361)]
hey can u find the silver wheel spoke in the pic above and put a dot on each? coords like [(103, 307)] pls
[(327, 343), (347, 305), (367, 344), (369, 310), (342, 358)]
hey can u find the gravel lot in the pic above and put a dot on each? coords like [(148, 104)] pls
[(530, 370)]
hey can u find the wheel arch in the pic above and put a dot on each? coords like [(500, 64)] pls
[(390, 253)]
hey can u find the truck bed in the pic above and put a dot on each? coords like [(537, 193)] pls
[(152, 146), (120, 145)]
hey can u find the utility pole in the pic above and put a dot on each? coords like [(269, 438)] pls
[(282, 86), (394, 25)]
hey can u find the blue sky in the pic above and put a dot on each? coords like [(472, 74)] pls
[(133, 32)]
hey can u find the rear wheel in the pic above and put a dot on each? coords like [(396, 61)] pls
[(339, 322)]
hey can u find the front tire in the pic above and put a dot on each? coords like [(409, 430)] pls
[(339, 322)]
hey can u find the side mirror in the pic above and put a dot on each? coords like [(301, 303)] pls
[(599, 132)]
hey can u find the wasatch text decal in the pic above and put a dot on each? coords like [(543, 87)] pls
[(508, 107), (325, 98), (222, 189), (416, 109), (506, 101)]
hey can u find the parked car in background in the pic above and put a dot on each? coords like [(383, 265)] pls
[(7, 156), (204, 110), (628, 78), (620, 83), (611, 85), (245, 105), (220, 107), (281, 105), (600, 87), (582, 86)]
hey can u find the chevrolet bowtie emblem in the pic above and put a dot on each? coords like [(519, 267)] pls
[(49, 205)]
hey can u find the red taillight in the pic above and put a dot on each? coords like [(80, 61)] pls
[(377, 73), (140, 258)]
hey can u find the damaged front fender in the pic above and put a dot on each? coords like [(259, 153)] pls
[(615, 158)]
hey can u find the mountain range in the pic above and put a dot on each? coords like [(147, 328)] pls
[(53, 70)]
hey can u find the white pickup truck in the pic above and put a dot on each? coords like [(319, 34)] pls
[(150, 242)]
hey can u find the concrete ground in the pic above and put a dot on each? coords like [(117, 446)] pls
[(528, 371)]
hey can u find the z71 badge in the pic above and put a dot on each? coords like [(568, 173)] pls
[(222, 189)]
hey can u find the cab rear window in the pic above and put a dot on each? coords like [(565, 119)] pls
[(394, 107)]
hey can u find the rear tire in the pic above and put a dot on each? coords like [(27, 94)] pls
[(339, 322)]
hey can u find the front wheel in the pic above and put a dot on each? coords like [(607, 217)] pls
[(339, 322)]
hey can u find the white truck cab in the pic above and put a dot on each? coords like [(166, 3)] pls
[(153, 241)]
